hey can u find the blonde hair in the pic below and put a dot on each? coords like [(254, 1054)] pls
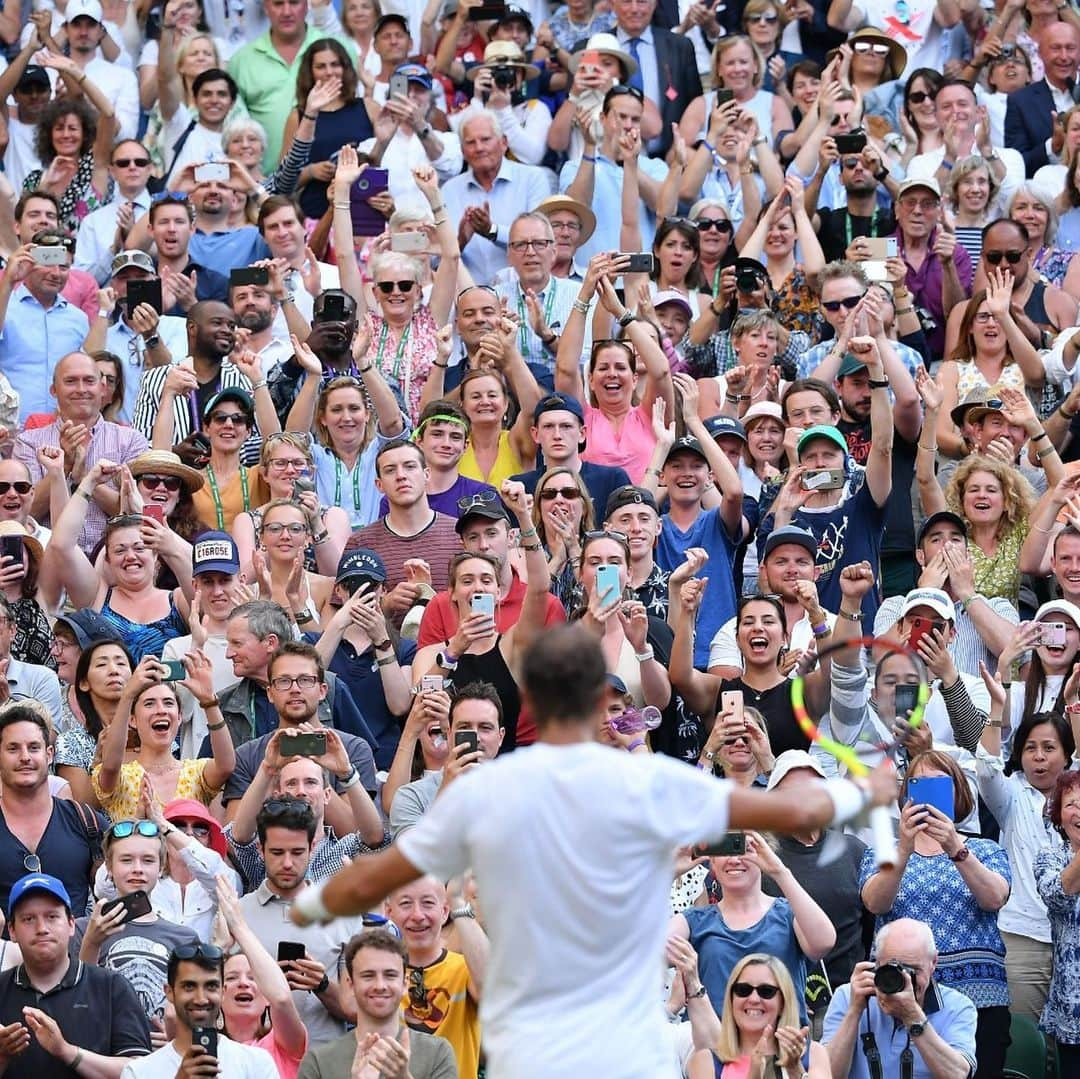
[(727, 1046), (964, 168), (730, 42), (1017, 493)]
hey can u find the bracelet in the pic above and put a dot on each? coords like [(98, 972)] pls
[(995, 724), (904, 310), (929, 449), (390, 659), (364, 370), (586, 157), (527, 532), (819, 631), (308, 116), (644, 657), (342, 206), (1039, 437), (1064, 414), (443, 366), (214, 702), (849, 616), (216, 726), (637, 743), (531, 546), (1041, 455), (580, 305), (735, 398), (699, 992), (76, 1060), (255, 386), (349, 781), (102, 313), (709, 146)]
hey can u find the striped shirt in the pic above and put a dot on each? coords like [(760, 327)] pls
[(185, 410), (556, 301), (108, 441)]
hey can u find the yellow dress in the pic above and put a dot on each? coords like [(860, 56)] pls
[(507, 463), (123, 802)]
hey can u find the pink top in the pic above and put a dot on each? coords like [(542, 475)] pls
[(287, 1066), (404, 358), (630, 448)]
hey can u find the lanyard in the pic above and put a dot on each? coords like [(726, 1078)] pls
[(523, 322), (215, 494), (251, 711), (716, 283), (396, 370), (355, 484), (847, 225)]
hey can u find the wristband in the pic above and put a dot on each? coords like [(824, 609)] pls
[(586, 157), (258, 385), (819, 631), (580, 305), (76, 1060), (102, 313), (310, 902), (216, 726), (308, 116), (322, 986), (435, 363), (321, 538), (635, 744), (349, 781), (644, 657), (848, 799)]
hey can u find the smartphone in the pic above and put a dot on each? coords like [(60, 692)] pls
[(731, 702), (49, 254), (823, 479), (875, 270), (249, 275), (640, 261), (288, 950), (491, 9), (200, 443), (589, 58), (211, 171), (408, 243), (12, 546), (301, 487), (936, 791), (365, 220), (607, 584), (302, 745), (399, 85), (724, 96), (174, 670), (483, 603), (333, 309), (206, 1039), (145, 291), (432, 683), (854, 142), (881, 247), (905, 699), (155, 512), (731, 846), (467, 738), (920, 627), (135, 905)]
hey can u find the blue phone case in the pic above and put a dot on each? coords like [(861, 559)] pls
[(607, 581), (936, 791)]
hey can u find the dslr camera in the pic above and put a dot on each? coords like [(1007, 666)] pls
[(503, 77), (889, 977)]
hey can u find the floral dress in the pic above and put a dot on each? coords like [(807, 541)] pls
[(1061, 1015), (79, 197), (404, 359), (999, 574), (123, 803), (1053, 264)]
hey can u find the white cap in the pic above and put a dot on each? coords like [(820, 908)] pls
[(790, 760), (933, 598), (1059, 606), (90, 8)]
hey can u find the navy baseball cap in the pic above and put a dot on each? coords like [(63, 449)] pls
[(88, 626), (416, 73), (558, 402), (37, 882), (215, 552), (34, 75), (686, 444), (629, 495), (391, 17), (790, 534), (938, 518), (725, 425), (361, 562), (617, 684), (233, 393)]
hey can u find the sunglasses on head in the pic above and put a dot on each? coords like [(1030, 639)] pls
[(199, 951), (172, 196), (125, 162), (124, 828), (995, 257), (386, 287), (20, 487), (170, 483), (621, 90), (481, 498), (721, 224), (744, 989), (848, 303), (607, 533)]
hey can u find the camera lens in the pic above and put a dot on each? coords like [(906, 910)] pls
[(889, 978), (746, 282), (502, 77)]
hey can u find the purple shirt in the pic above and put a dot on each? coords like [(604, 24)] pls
[(925, 285), (446, 501)]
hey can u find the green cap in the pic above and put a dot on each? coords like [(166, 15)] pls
[(821, 430)]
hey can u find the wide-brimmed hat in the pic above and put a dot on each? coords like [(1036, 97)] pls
[(13, 528), (608, 44), (553, 203), (897, 58), (165, 463), (504, 54)]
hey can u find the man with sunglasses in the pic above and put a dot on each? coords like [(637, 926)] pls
[(60, 1017), (839, 230)]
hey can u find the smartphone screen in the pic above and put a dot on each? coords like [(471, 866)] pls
[(288, 950), (905, 699), (607, 584), (302, 745), (467, 738), (12, 546)]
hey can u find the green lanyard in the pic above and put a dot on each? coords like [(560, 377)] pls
[(396, 370), (215, 494), (355, 484), (847, 225), (523, 322), (716, 283)]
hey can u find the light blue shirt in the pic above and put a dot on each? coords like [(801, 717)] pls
[(517, 189), (123, 341), (222, 251), (32, 341), (557, 298), (93, 242), (607, 203), (806, 364), (353, 490), (33, 682)]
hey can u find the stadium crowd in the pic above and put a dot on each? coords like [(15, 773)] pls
[(347, 347)]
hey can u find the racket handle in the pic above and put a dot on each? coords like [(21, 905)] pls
[(884, 842)]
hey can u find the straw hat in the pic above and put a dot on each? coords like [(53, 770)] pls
[(554, 203), (504, 54), (165, 463)]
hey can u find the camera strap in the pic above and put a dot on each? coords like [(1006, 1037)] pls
[(870, 1049), (907, 1061)]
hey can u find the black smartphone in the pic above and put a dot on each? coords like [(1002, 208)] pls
[(906, 696), (206, 1039), (724, 96), (144, 291), (174, 670), (467, 738), (302, 745), (12, 546), (288, 950), (854, 142), (135, 905), (731, 846), (301, 487), (640, 262), (333, 309), (492, 9), (367, 221), (249, 275)]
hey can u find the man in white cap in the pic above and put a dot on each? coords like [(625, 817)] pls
[(85, 28)]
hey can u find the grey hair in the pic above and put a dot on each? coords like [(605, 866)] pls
[(539, 218), (385, 259), (263, 618), (920, 928), (702, 205), (1045, 199), (241, 125), (410, 215), (470, 115)]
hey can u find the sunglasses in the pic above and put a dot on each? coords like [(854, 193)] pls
[(995, 257), (917, 97), (122, 829), (19, 486), (744, 989), (170, 483), (868, 46), (199, 951), (387, 287), (126, 162), (850, 162), (199, 831), (763, 17), (417, 990), (848, 303), (237, 419), (481, 498), (740, 739), (549, 494), (721, 224)]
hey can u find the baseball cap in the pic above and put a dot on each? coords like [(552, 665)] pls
[(140, 260), (686, 444), (558, 402), (214, 552), (513, 12), (617, 684), (416, 73), (790, 534), (629, 495), (90, 8), (790, 760), (361, 562), (37, 882), (491, 508), (388, 18), (233, 393), (1059, 606), (87, 626), (760, 410), (849, 365), (821, 430), (910, 184), (933, 598), (34, 75), (717, 426), (937, 518), (671, 296)]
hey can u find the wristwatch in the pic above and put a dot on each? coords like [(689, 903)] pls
[(463, 912), (152, 340), (916, 1029), (627, 318), (446, 661)]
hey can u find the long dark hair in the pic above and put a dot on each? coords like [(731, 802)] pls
[(1031, 720), (933, 80), (1034, 684), (694, 279), (112, 409), (55, 111), (305, 80), (86, 703)]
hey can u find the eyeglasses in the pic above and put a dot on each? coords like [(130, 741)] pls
[(995, 257), (764, 17), (549, 494), (566, 226), (126, 162), (871, 46), (124, 828), (284, 682), (983, 317), (283, 464), (721, 224), (277, 527), (237, 419), (917, 97), (744, 989), (469, 502), (199, 951), (20, 487), (848, 303), (198, 830), (60, 644), (927, 206), (170, 483), (524, 245), (387, 287), (417, 990)]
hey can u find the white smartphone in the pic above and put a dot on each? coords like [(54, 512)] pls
[(483, 603), (408, 243), (211, 171)]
